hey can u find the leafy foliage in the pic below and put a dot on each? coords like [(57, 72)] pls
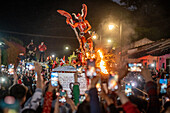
[(10, 54), (151, 17)]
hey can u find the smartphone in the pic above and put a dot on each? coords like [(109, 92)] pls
[(135, 67), (11, 69), (98, 85), (79, 70), (62, 96), (35, 76), (82, 98), (2, 68), (112, 82), (10, 66), (163, 83), (30, 66), (54, 79), (91, 71), (128, 89)]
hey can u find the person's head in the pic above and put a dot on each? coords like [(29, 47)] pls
[(32, 41), (84, 107), (19, 92), (9, 103), (166, 107), (42, 43), (141, 103)]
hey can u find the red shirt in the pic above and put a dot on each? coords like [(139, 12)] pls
[(42, 47), (130, 108), (19, 81), (47, 102)]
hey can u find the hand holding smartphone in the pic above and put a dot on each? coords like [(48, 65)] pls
[(62, 96), (11, 69), (113, 82), (98, 85), (91, 71), (30, 66), (135, 67), (163, 83), (128, 89), (82, 98)]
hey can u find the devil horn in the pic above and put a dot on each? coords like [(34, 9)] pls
[(82, 13), (74, 15)]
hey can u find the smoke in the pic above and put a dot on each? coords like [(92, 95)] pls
[(128, 33)]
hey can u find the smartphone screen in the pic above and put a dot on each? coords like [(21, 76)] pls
[(30, 66), (91, 72), (62, 96), (11, 69), (163, 83), (54, 78), (79, 70), (2, 68), (98, 85), (128, 89), (135, 67), (112, 83), (35, 76), (82, 98)]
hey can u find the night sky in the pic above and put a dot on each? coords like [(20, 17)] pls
[(39, 20)]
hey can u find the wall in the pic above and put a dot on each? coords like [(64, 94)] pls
[(162, 59)]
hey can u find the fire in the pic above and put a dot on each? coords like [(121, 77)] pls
[(102, 63)]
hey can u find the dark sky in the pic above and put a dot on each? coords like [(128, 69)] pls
[(39, 20), (24, 19)]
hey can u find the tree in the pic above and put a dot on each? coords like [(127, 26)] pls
[(10, 54), (151, 17)]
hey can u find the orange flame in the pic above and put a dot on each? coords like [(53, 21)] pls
[(102, 63)]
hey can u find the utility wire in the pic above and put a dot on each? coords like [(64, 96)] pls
[(37, 35)]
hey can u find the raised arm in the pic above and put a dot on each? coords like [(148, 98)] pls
[(72, 25)]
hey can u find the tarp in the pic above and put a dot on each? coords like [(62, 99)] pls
[(65, 68)]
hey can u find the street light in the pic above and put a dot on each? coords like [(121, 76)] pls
[(109, 41), (53, 56), (111, 26), (94, 36), (67, 48)]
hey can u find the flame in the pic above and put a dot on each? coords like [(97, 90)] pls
[(87, 54), (102, 63)]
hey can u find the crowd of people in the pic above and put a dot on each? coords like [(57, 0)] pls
[(31, 87), (31, 51), (33, 92)]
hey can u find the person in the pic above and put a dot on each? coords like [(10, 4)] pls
[(21, 56), (31, 49), (19, 92), (42, 48), (151, 89), (28, 81)]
